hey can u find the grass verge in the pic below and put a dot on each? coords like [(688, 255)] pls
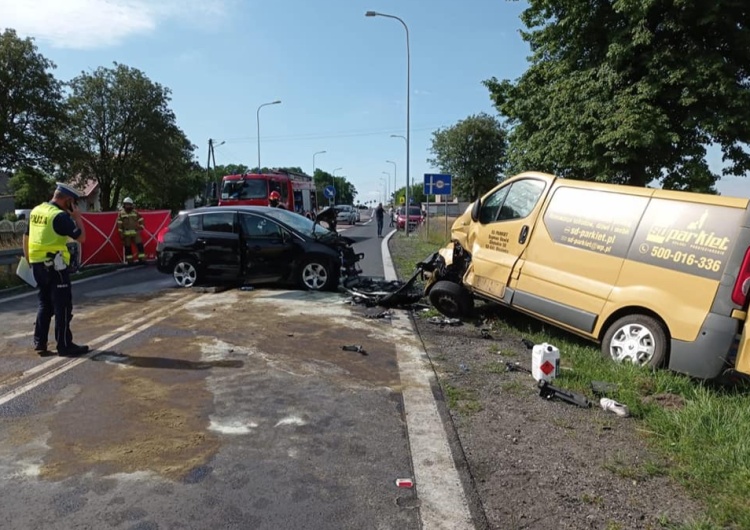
[(705, 437)]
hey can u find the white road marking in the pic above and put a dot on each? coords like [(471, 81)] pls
[(292, 420), (235, 427), (438, 484), (143, 318), (72, 363)]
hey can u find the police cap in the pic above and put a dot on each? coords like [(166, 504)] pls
[(68, 190)]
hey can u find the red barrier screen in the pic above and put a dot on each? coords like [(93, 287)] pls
[(103, 244)]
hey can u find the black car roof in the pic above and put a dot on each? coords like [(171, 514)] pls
[(237, 208)]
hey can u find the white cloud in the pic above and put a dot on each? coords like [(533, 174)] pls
[(86, 24)]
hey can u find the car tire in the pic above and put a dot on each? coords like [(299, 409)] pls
[(185, 272), (639, 338), (451, 299), (317, 274)]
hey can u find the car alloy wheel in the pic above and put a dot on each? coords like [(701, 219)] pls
[(185, 273), (315, 276)]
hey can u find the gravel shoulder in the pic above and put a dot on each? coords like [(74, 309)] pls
[(535, 464)]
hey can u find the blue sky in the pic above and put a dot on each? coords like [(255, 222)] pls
[(341, 77)]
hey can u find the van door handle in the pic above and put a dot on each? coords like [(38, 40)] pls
[(524, 234)]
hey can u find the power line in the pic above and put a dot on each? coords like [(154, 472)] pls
[(323, 136)]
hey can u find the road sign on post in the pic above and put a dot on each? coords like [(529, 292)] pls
[(436, 184), (329, 192)]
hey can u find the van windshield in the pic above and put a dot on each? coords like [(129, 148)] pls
[(244, 189)]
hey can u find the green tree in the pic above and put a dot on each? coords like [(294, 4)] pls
[(416, 192), (631, 91), (31, 186), (473, 151), (31, 113), (121, 130), (345, 190)]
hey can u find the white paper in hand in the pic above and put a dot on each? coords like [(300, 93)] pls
[(25, 272)]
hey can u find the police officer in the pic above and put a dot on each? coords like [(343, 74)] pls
[(45, 248), (274, 200), (130, 225)]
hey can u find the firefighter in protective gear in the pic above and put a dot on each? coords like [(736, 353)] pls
[(274, 200), (45, 248), (130, 226)]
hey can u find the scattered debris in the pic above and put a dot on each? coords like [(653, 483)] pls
[(442, 321), (667, 401), (528, 343), (404, 483), (247, 288), (355, 348), (485, 333), (379, 292), (602, 388), (290, 334), (382, 314), (610, 405), (464, 368), (549, 392), (516, 367)]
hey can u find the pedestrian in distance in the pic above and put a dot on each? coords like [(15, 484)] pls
[(390, 216), (46, 250), (130, 225), (379, 213)]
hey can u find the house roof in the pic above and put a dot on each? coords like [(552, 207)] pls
[(89, 187)]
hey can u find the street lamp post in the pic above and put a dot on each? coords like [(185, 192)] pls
[(314, 155), (387, 185), (407, 176), (408, 104), (393, 190), (257, 116), (333, 175)]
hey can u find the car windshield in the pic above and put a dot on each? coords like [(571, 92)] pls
[(298, 222), (244, 189), (412, 211)]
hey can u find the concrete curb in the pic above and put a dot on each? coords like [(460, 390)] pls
[(389, 271), (444, 503)]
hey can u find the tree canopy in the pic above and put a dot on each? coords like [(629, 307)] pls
[(345, 190), (124, 136), (631, 91), (31, 105), (473, 151), (31, 186)]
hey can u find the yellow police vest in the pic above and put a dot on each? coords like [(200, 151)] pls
[(42, 237)]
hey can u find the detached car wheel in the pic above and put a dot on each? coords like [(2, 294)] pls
[(185, 272), (451, 299), (317, 275), (639, 339)]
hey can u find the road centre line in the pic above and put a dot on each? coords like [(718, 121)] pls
[(72, 363), (122, 329)]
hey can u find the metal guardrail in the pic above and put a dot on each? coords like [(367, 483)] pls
[(10, 257)]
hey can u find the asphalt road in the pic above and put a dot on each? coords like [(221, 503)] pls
[(229, 410)]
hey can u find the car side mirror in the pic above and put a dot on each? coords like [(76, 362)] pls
[(475, 210)]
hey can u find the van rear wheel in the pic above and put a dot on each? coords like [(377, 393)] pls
[(640, 339), (451, 299)]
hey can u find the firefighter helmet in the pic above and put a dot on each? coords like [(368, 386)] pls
[(127, 200), (275, 196)]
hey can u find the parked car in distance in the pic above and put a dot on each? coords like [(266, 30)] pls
[(254, 244), (357, 213), (345, 214), (415, 217)]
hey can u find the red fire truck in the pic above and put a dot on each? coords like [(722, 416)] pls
[(296, 189)]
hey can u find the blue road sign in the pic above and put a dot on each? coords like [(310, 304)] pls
[(329, 192), (437, 184), (411, 200)]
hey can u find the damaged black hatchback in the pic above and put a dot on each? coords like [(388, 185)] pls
[(256, 245)]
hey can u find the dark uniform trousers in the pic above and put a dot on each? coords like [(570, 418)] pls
[(55, 298)]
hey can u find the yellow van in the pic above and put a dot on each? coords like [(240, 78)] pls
[(656, 277)]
